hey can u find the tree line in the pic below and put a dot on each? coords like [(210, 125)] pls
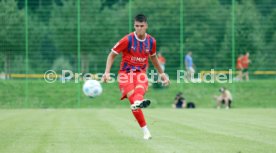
[(216, 31)]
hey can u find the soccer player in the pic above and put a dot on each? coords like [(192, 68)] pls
[(245, 63), (135, 47), (239, 67)]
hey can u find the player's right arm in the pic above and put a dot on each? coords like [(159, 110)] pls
[(109, 62), (117, 49)]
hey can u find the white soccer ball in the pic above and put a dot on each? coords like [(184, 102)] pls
[(92, 88)]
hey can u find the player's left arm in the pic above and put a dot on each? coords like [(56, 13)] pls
[(156, 64)]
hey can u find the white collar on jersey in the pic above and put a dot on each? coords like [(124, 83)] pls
[(138, 38)]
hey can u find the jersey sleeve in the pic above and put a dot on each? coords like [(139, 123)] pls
[(120, 46), (153, 50)]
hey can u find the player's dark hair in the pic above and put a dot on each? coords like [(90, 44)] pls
[(140, 18)]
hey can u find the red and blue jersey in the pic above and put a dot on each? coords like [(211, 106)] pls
[(135, 52)]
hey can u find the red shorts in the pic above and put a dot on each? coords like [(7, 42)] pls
[(128, 81)]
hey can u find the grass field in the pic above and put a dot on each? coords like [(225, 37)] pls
[(39, 94), (116, 131)]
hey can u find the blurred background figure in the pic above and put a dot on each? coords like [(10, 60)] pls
[(179, 101), (189, 65), (224, 98), (162, 60), (245, 63), (239, 68)]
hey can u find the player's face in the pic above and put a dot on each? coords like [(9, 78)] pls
[(140, 27)]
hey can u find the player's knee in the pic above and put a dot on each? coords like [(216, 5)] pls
[(140, 90), (131, 92), (141, 87)]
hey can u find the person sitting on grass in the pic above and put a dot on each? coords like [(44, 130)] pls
[(224, 98), (179, 101)]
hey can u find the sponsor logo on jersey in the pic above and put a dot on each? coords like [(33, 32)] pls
[(138, 59)]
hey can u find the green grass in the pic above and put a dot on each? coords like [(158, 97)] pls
[(253, 94), (116, 131)]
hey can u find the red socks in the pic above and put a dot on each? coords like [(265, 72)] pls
[(138, 114)]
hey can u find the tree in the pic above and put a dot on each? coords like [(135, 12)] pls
[(12, 33), (97, 31), (249, 32), (205, 25), (270, 39)]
